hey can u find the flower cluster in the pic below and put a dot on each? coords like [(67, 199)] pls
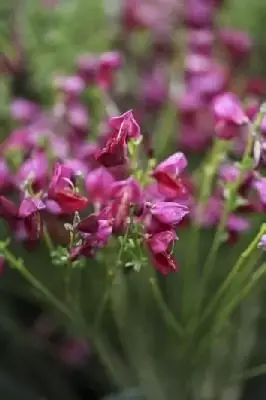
[(97, 193)]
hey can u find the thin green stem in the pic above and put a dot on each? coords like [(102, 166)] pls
[(232, 274), (166, 312), (48, 240), (111, 275), (20, 267), (110, 359), (209, 170), (68, 274), (252, 372), (231, 306), (233, 189)]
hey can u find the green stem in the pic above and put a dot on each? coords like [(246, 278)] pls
[(252, 372), (233, 189), (68, 274), (48, 240), (166, 312), (110, 359), (20, 267), (232, 274), (110, 281), (209, 170), (239, 297)]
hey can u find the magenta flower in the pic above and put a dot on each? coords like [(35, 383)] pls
[(154, 88), (77, 116), (260, 187), (30, 205), (90, 224), (173, 165), (200, 41), (114, 152), (197, 64), (5, 176), (169, 213), (129, 186), (164, 263), (88, 68), (229, 115), (236, 225), (127, 123), (108, 64), (237, 43), (229, 172), (188, 103), (8, 210), (210, 84), (72, 86), (167, 177), (95, 233), (198, 14), (34, 168), (161, 241), (30, 211), (99, 184), (62, 190), (23, 110)]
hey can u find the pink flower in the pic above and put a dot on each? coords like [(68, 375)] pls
[(229, 115), (108, 63), (129, 186), (117, 211), (237, 43), (99, 184), (30, 205), (200, 41), (72, 86), (160, 242), (78, 116), (169, 213), (30, 211), (260, 187), (23, 110), (34, 168), (173, 165), (198, 14), (128, 123)]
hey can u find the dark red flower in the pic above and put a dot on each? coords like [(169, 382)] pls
[(95, 233), (114, 152), (89, 224), (167, 176), (62, 190), (164, 263), (8, 210)]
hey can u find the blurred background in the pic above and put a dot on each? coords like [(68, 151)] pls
[(39, 359)]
